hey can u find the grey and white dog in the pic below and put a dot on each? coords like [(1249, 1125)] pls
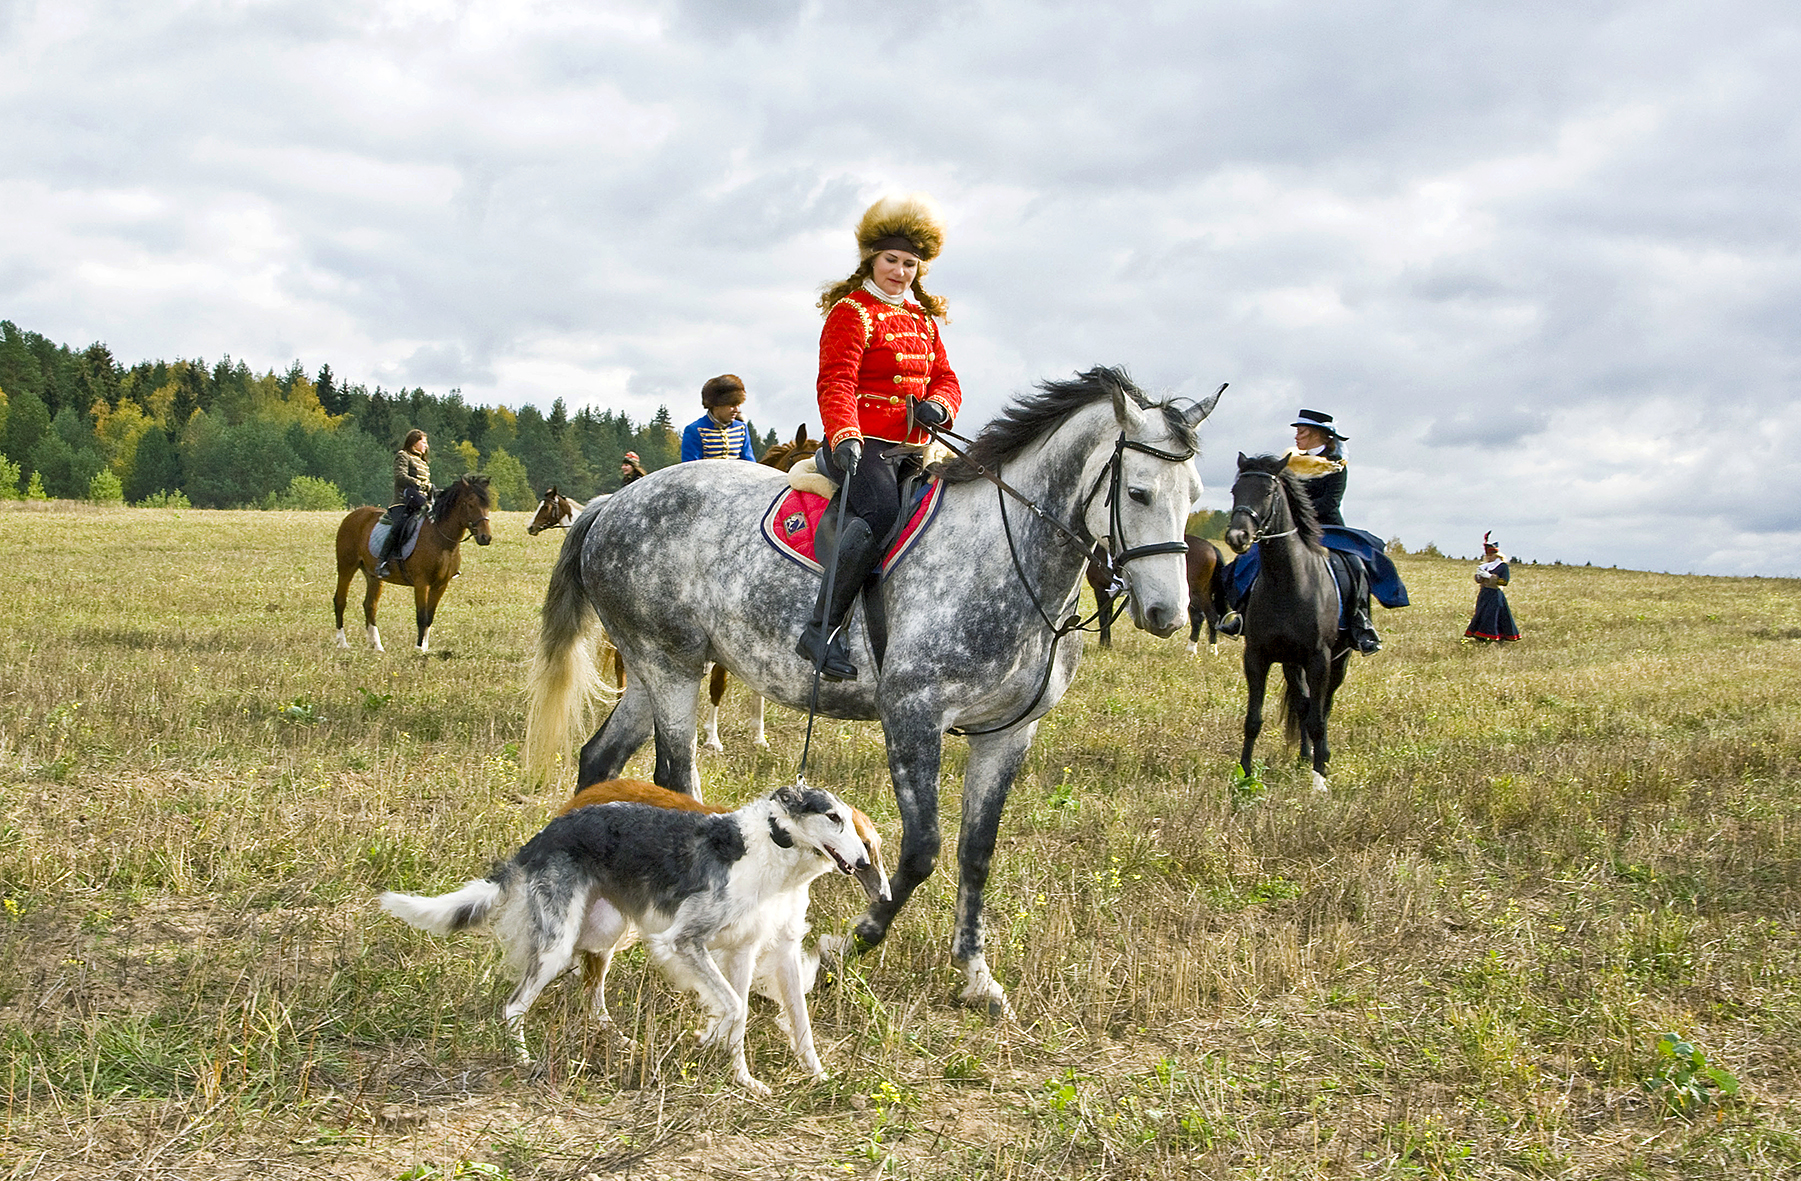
[(694, 885), (676, 571)]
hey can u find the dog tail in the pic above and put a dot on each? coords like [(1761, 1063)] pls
[(447, 913), (563, 675)]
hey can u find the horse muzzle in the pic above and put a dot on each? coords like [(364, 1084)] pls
[(1238, 539)]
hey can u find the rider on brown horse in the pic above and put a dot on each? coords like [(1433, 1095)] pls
[(412, 492)]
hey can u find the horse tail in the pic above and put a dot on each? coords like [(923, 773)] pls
[(562, 676), (1294, 711)]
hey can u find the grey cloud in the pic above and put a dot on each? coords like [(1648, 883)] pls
[(1497, 428)]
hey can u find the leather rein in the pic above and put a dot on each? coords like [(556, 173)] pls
[(1111, 562)]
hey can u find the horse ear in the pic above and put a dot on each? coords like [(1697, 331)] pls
[(1126, 409), (1200, 410), (800, 436), (1241, 461)]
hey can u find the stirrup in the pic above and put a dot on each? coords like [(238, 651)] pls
[(1230, 624), (836, 666)]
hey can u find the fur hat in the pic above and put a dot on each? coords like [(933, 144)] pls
[(913, 223), (725, 390)]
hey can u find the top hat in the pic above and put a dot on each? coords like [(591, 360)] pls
[(1319, 421)]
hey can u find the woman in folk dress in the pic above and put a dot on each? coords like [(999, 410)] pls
[(1492, 620)]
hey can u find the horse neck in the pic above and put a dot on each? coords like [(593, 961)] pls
[(1282, 555), (1056, 473)]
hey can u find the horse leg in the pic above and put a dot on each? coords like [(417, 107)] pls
[(994, 762), (674, 711), (762, 738), (715, 691), (1256, 679), (425, 607), (605, 754), (1299, 707), (915, 749), (371, 595), (1320, 677), (1195, 619), (341, 599)]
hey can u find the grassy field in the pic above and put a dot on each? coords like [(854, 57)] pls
[(1533, 862)]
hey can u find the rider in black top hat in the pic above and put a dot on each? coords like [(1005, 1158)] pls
[(1319, 460)]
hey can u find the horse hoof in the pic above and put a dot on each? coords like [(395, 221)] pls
[(714, 744), (1319, 782), (1194, 649)]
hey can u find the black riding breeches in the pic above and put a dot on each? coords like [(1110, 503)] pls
[(875, 488)]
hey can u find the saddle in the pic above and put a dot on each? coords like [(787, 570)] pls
[(802, 524), (408, 521)]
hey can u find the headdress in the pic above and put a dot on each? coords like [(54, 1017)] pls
[(629, 457), (912, 223), (1319, 421), (1487, 545), (725, 390)]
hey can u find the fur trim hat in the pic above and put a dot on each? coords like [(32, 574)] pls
[(725, 390), (912, 223)]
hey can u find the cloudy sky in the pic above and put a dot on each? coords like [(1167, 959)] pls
[(1541, 259)]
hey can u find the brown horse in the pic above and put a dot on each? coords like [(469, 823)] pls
[(1203, 561), (459, 509), (555, 511), (782, 457)]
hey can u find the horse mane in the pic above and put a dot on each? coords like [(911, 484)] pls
[(1035, 415), (470, 485), (1300, 505)]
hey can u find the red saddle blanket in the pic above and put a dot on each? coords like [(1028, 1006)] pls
[(793, 519)]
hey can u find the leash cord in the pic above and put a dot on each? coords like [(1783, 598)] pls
[(831, 584)]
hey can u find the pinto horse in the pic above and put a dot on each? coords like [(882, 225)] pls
[(460, 509), (1203, 561), (1292, 617), (781, 457), (677, 572), (555, 511)]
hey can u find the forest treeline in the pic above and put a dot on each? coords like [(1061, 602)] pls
[(80, 425)]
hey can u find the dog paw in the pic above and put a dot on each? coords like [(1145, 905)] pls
[(751, 1085)]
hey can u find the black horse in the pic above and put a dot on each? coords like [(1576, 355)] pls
[(1292, 617)]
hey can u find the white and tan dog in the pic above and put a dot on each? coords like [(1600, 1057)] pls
[(694, 884)]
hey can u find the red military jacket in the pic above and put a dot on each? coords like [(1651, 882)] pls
[(871, 356)]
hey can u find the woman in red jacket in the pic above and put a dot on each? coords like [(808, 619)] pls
[(882, 374)]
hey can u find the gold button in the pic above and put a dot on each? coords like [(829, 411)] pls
[(898, 379), (890, 336), (894, 401)]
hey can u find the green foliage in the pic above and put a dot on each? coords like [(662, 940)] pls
[(1683, 1079), (156, 467), (105, 488), (35, 490), (309, 494), (1210, 523), (175, 499), (9, 479), (27, 421), (506, 475)]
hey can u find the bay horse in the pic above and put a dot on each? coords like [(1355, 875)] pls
[(1203, 562), (555, 511), (459, 509), (676, 570), (1292, 616), (782, 457)]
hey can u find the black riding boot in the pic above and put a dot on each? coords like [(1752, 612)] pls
[(1363, 631), (1230, 622), (852, 562), (390, 545)]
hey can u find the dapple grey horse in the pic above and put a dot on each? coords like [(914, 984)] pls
[(676, 570)]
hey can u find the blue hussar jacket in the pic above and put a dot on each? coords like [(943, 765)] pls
[(705, 439)]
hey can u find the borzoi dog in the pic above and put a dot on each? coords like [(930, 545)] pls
[(691, 882), (785, 967)]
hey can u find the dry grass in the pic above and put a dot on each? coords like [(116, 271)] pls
[(1534, 860)]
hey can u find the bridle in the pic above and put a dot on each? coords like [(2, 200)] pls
[(456, 538), (1256, 528), (1112, 562)]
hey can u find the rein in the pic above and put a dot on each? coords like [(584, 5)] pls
[(1111, 562)]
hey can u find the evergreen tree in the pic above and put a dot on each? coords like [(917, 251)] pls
[(157, 467), (506, 476), (330, 397), (27, 421)]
